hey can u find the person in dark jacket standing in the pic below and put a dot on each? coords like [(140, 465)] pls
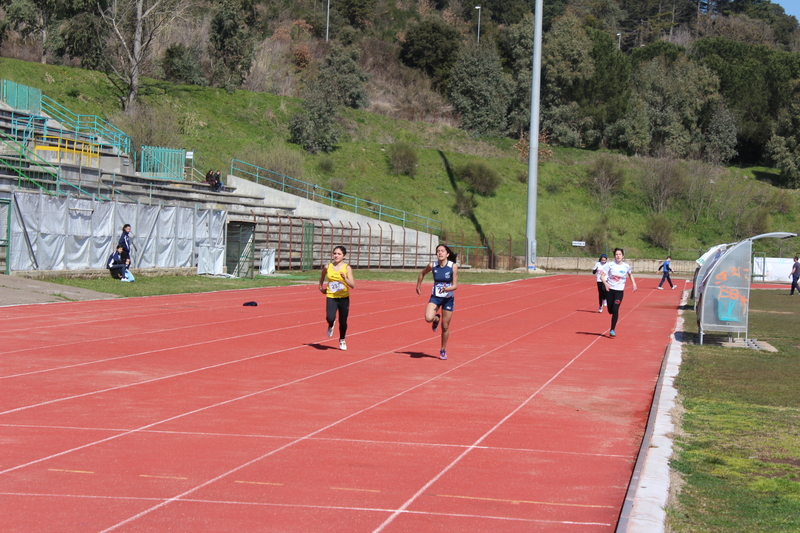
[(665, 276), (795, 275), (126, 241)]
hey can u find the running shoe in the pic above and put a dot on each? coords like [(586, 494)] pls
[(435, 324), (443, 354), (674, 286), (330, 331), (600, 310), (612, 334), (605, 303), (660, 288), (342, 345)]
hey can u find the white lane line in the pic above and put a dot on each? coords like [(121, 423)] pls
[(463, 454), (305, 506), (354, 414), (322, 439)]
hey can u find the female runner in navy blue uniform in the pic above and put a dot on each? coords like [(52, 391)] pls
[(445, 281)]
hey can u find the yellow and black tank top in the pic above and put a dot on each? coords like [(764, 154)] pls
[(337, 288)]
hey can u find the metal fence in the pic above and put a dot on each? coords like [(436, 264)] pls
[(21, 97), (5, 233), (333, 198), (167, 163), (306, 244)]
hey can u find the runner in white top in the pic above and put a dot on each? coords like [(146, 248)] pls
[(614, 275), (601, 288)]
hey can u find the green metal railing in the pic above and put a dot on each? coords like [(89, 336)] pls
[(21, 97), (167, 163), (337, 199), (99, 129), (31, 100), (5, 232), (23, 162)]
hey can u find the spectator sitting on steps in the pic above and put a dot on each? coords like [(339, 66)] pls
[(217, 186), (210, 179)]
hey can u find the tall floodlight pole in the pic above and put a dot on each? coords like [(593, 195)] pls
[(327, 20), (479, 23), (533, 156)]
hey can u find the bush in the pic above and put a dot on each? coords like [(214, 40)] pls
[(659, 231), (316, 129), (181, 64), (325, 165), (403, 158), (597, 237), (605, 179), (465, 204), (480, 177)]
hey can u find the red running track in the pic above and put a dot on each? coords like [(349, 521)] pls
[(195, 414)]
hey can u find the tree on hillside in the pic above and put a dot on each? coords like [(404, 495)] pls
[(358, 13), (134, 26), (316, 128), (784, 146), (86, 37), (231, 44), (603, 98), (36, 17), (668, 117), (431, 46), (343, 79), (479, 91), (566, 64), (755, 81)]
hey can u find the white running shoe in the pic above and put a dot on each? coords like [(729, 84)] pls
[(605, 303), (342, 345), (660, 288), (330, 330), (600, 310), (674, 286)]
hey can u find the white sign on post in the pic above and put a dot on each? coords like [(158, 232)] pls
[(578, 243)]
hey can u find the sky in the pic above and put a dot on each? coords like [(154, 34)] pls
[(791, 7)]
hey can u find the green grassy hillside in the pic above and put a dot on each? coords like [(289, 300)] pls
[(253, 127)]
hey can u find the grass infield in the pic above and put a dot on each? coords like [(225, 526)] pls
[(738, 450), (158, 285)]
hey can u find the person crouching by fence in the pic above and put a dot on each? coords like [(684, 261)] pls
[(119, 266)]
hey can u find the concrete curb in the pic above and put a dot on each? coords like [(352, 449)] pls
[(648, 514)]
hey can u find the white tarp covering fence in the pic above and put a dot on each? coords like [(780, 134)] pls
[(773, 269), (63, 233)]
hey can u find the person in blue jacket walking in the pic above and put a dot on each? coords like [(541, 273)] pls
[(665, 276)]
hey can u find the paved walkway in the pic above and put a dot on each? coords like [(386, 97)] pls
[(16, 290)]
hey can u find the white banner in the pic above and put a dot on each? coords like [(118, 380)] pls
[(62, 233)]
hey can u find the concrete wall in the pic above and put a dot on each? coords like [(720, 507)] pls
[(640, 266)]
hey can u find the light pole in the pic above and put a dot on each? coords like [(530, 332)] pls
[(479, 23), (619, 41), (327, 20)]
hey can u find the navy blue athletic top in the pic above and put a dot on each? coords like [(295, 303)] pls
[(442, 277)]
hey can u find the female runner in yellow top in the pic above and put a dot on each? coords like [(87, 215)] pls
[(335, 281)]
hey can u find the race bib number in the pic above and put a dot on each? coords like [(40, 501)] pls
[(335, 286), (439, 291)]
